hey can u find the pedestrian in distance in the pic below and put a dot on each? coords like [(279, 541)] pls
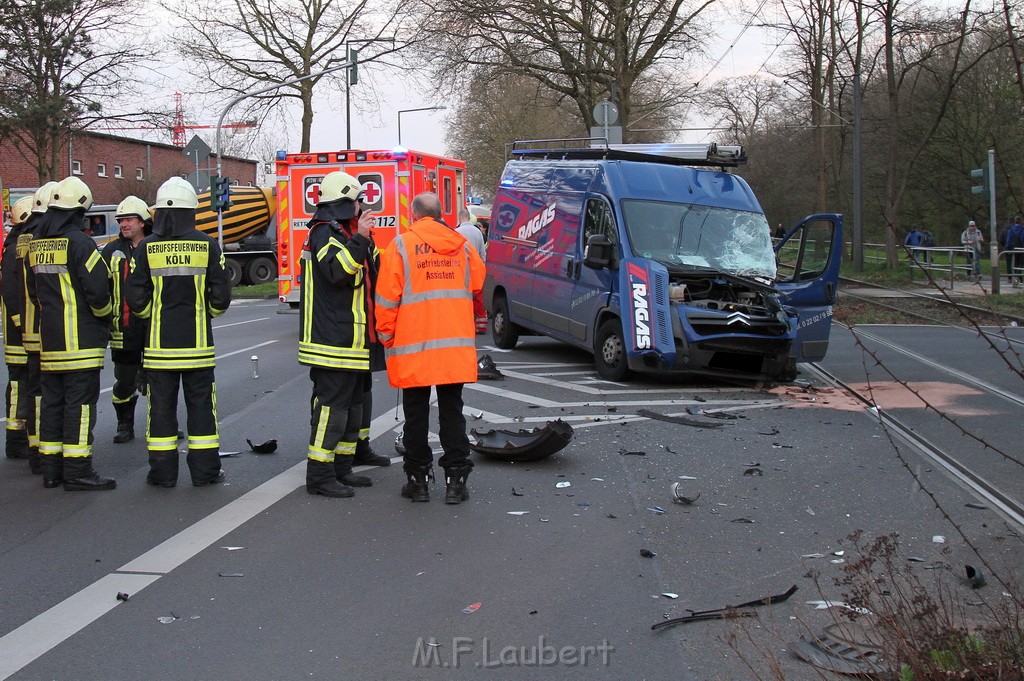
[(428, 276), (178, 282), (1015, 242), (973, 239), (127, 331), (467, 228), (67, 278), (12, 291), (336, 321)]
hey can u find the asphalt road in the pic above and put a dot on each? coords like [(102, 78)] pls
[(256, 579)]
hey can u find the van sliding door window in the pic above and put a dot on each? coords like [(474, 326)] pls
[(599, 220)]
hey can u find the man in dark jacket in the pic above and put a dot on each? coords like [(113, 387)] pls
[(179, 283), (339, 269), (1014, 241), (127, 332), (13, 289), (68, 279)]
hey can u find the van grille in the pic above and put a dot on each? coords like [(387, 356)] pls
[(709, 323)]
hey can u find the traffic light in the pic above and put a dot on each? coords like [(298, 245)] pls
[(353, 71), (220, 193), (981, 174)]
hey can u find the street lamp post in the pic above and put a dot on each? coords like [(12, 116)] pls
[(422, 108)]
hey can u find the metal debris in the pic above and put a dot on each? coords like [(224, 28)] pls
[(676, 419), (728, 612)]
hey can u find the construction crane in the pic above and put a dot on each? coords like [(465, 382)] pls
[(178, 126)]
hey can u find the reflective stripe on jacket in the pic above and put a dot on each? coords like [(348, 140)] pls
[(425, 290), (13, 294)]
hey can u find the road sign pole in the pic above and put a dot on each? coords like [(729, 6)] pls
[(993, 243)]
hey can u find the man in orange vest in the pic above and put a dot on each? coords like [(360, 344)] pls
[(428, 276)]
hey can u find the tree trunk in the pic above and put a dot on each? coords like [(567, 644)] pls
[(306, 97)]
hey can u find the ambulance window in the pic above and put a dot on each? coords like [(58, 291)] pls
[(447, 195), (598, 220)]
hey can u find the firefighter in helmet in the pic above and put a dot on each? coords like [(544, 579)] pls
[(339, 271), (68, 279), (127, 332), (179, 283), (12, 292)]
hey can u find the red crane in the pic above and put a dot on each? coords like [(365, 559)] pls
[(178, 127)]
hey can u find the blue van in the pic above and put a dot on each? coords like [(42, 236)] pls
[(656, 259)]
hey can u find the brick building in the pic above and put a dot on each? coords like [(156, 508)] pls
[(115, 167)]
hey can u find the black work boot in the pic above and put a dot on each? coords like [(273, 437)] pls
[(204, 465), (125, 420), (52, 466), (163, 468), (79, 476), (416, 488), (320, 479), (455, 491), (17, 444), (33, 461), (365, 456), (343, 472)]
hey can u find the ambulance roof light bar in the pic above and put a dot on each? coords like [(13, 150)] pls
[(705, 154)]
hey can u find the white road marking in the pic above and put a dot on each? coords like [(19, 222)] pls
[(248, 321), (251, 347)]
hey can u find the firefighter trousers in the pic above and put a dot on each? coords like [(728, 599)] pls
[(30, 399), (126, 377), (336, 414), (200, 392), (451, 422), (68, 412), (16, 379)]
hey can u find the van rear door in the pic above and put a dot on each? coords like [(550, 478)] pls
[(808, 277)]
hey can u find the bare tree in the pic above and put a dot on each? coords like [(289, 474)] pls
[(60, 62), (583, 50), (742, 106), (238, 45)]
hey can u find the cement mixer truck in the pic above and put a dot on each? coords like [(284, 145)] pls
[(250, 251)]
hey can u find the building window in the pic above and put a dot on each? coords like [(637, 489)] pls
[(101, 169), (76, 167), (118, 173), (139, 175)]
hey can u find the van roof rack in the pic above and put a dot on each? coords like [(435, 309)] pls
[(706, 154)]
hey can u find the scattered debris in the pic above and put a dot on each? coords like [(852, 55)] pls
[(669, 594), (623, 452), (915, 559), (813, 555), (522, 445), (478, 416), (753, 471), (656, 509), (268, 447), (774, 431), (583, 504), (518, 512), (231, 574), (838, 553), (687, 477), (487, 371), (778, 445), (976, 506), (516, 493), (647, 553), (938, 539), (676, 419), (681, 499), (741, 520), (229, 455), (233, 548), (694, 411), (563, 484), (470, 609), (167, 619), (974, 577), (810, 511), (698, 398), (611, 516), (613, 409), (122, 596), (728, 612), (855, 654), (597, 479), (825, 605)]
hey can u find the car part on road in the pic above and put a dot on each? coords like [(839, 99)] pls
[(680, 499), (974, 577), (268, 447), (840, 657), (729, 611), (523, 445), (487, 371), (676, 419)]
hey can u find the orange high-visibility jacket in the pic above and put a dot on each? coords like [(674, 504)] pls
[(425, 288)]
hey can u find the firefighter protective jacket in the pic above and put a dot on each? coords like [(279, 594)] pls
[(428, 276), (179, 283), (126, 330), (67, 278), (13, 293), (338, 271), (29, 309)]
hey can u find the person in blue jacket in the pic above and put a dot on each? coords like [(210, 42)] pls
[(1014, 241)]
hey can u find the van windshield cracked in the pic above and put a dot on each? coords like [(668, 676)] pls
[(731, 241)]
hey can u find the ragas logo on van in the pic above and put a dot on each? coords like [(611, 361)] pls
[(640, 300), (537, 222)]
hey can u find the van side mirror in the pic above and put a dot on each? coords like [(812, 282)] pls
[(598, 253)]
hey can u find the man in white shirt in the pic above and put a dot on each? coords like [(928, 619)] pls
[(974, 239), (468, 229)]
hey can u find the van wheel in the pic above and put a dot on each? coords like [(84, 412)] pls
[(261, 270), (503, 331), (234, 271), (610, 352)]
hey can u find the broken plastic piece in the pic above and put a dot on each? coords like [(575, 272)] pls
[(516, 493), (469, 609), (518, 512), (647, 553), (669, 594), (166, 619), (974, 577), (976, 506), (487, 371), (522, 445), (676, 419), (939, 539), (268, 447), (839, 657), (231, 574), (753, 471), (656, 509), (229, 455), (623, 452), (813, 555), (694, 411), (122, 596), (825, 605), (681, 499), (562, 485), (741, 520)]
